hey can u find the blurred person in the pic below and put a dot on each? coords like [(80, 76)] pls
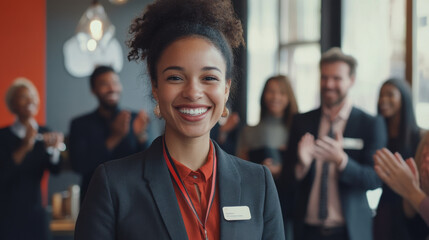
[(225, 132), (396, 107), (184, 186), (266, 142), (409, 179), (108, 132), (332, 148), (26, 151)]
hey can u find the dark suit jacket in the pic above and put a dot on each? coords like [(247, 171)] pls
[(21, 213), (357, 177), (88, 134), (134, 198)]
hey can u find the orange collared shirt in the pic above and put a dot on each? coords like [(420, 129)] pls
[(200, 180)]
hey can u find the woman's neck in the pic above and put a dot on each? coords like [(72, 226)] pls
[(191, 152), (274, 115), (393, 126)]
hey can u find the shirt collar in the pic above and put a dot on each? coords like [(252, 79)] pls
[(206, 170), (343, 114), (19, 129)]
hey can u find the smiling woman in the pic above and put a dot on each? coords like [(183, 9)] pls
[(395, 105), (191, 90), (184, 186)]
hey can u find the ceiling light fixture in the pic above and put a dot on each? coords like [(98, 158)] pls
[(94, 29)]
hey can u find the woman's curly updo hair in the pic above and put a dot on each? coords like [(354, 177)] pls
[(165, 21)]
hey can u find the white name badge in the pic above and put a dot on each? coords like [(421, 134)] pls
[(236, 213), (353, 143)]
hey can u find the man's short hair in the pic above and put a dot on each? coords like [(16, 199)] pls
[(336, 55), (99, 70)]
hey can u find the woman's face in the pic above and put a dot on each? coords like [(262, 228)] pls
[(25, 103), (389, 101), (191, 87), (275, 98)]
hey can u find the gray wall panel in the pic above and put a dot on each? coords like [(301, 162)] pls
[(67, 96)]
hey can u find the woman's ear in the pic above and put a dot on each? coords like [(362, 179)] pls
[(227, 89)]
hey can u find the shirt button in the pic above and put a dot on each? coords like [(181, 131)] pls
[(195, 176)]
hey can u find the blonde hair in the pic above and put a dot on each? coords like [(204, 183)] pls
[(18, 83)]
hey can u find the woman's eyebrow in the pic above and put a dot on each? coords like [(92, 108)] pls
[(182, 69), (173, 68), (211, 68)]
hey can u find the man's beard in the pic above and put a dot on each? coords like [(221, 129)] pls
[(109, 107), (334, 103)]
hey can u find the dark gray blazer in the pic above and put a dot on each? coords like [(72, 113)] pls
[(357, 177), (134, 198)]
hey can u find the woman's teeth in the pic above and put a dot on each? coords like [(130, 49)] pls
[(193, 111)]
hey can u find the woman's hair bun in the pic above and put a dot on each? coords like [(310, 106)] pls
[(217, 14)]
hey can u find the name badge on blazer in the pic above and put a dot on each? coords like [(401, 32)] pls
[(236, 213), (353, 143)]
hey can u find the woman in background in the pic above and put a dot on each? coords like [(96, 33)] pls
[(395, 105), (411, 181), (266, 142), (26, 151), (184, 186)]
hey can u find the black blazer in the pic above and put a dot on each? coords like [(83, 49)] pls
[(357, 177), (87, 148), (134, 198), (21, 213)]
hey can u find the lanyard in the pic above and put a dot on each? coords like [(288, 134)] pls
[(174, 173)]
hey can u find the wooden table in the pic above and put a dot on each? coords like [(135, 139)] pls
[(62, 226)]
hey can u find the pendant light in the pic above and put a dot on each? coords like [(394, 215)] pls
[(94, 29)]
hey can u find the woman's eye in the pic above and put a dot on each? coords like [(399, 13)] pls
[(211, 78), (174, 78)]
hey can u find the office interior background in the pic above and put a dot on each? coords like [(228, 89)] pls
[(389, 38)]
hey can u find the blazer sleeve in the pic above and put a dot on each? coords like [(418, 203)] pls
[(97, 216), (273, 221), (359, 173)]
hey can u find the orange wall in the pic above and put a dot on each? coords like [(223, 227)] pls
[(22, 50)]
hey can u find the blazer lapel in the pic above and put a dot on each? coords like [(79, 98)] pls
[(229, 191), (314, 126), (351, 128), (158, 176), (315, 122)]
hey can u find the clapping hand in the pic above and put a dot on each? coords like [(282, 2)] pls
[(121, 124), (119, 128), (401, 176), (140, 124), (330, 149), (306, 148), (53, 139)]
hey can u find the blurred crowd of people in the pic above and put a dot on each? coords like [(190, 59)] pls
[(323, 162)]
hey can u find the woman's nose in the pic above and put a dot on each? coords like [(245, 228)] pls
[(193, 90)]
